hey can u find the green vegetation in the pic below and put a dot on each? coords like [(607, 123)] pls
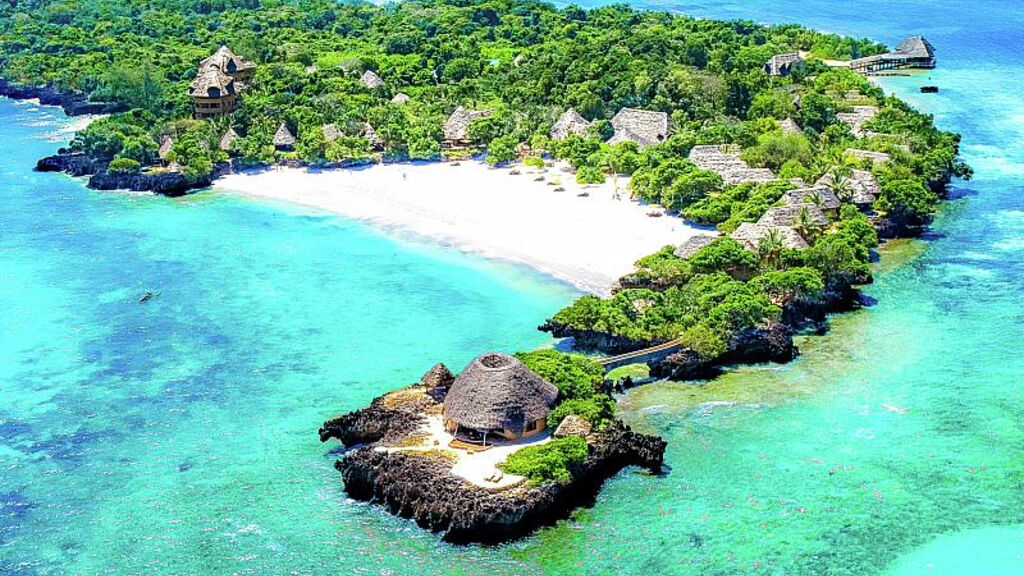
[(549, 462), (634, 371), (578, 379)]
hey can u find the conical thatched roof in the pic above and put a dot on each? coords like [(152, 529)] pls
[(400, 98), (821, 196), (916, 47), (371, 136), (573, 425), (227, 139), (456, 127), (789, 126), (210, 82), (227, 61), (570, 122), (283, 137), (438, 377), (331, 132), (497, 391), (166, 143), (371, 80), (692, 245), (750, 235), (790, 214)]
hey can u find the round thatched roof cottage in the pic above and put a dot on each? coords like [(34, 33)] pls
[(497, 396)]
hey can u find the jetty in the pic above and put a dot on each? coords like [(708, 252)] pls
[(914, 52)]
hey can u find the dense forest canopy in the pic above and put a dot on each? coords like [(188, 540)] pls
[(527, 62)]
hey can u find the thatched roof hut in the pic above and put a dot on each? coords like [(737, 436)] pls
[(331, 132), (371, 80), (166, 143), (497, 392), (783, 64), (750, 235), (789, 126), (791, 214), (456, 127), (724, 160), (863, 187), (917, 47), (438, 377), (876, 157), (283, 138), (400, 98), (856, 119), (573, 425), (645, 127), (211, 82), (228, 62), (821, 196), (570, 122), (692, 245), (372, 137), (228, 139)]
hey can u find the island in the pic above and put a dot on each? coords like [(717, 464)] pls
[(769, 147)]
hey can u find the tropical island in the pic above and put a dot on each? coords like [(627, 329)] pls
[(780, 163)]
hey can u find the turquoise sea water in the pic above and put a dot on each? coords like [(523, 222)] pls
[(178, 436)]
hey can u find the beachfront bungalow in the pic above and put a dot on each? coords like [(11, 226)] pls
[(692, 245), (750, 235), (789, 126), (794, 216), (371, 80), (860, 187), (644, 127), (914, 52), (874, 157), (331, 132), (569, 123), (400, 98), (284, 140), (821, 196), (376, 142), (497, 398), (227, 140), (783, 64), (856, 119), (724, 160), (456, 127)]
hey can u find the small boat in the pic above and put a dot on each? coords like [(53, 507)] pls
[(147, 296), (930, 89)]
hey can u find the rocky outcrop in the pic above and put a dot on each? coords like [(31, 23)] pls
[(420, 486), (73, 103), (73, 164), (167, 183), (772, 342)]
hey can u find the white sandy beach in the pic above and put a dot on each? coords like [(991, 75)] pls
[(586, 241)]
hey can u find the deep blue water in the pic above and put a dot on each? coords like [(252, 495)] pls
[(178, 436)]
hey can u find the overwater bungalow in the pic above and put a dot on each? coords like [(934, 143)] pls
[(456, 127), (750, 235), (497, 398), (914, 52), (644, 127), (821, 196), (692, 245), (783, 64), (371, 80), (570, 122), (284, 140)]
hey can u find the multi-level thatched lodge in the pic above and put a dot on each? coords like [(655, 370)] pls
[(914, 52), (497, 397), (217, 84)]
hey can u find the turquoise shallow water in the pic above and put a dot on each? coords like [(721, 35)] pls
[(178, 436)]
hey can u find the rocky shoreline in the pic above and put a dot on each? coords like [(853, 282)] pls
[(73, 103), (419, 484)]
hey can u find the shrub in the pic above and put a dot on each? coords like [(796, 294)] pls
[(549, 462), (534, 162), (575, 376), (124, 166), (598, 410), (589, 175), (502, 149), (724, 255)]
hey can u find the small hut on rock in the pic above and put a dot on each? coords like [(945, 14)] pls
[(692, 245), (371, 80), (284, 140), (456, 127), (645, 127), (570, 122), (573, 425), (498, 397), (438, 377), (227, 140), (783, 64), (400, 98), (750, 235)]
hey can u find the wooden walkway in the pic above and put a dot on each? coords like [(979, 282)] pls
[(646, 355)]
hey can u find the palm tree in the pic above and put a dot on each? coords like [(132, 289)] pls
[(769, 248), (806, 225)]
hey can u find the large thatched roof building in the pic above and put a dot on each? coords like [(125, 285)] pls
[(795, 216), (856, 119), (860, 187), (751, 235), (914, 52), (497, 396), (220, 78), (231, 64), (645, 127), (570, 122), (821, 196), (783, 64), (456, 127)]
